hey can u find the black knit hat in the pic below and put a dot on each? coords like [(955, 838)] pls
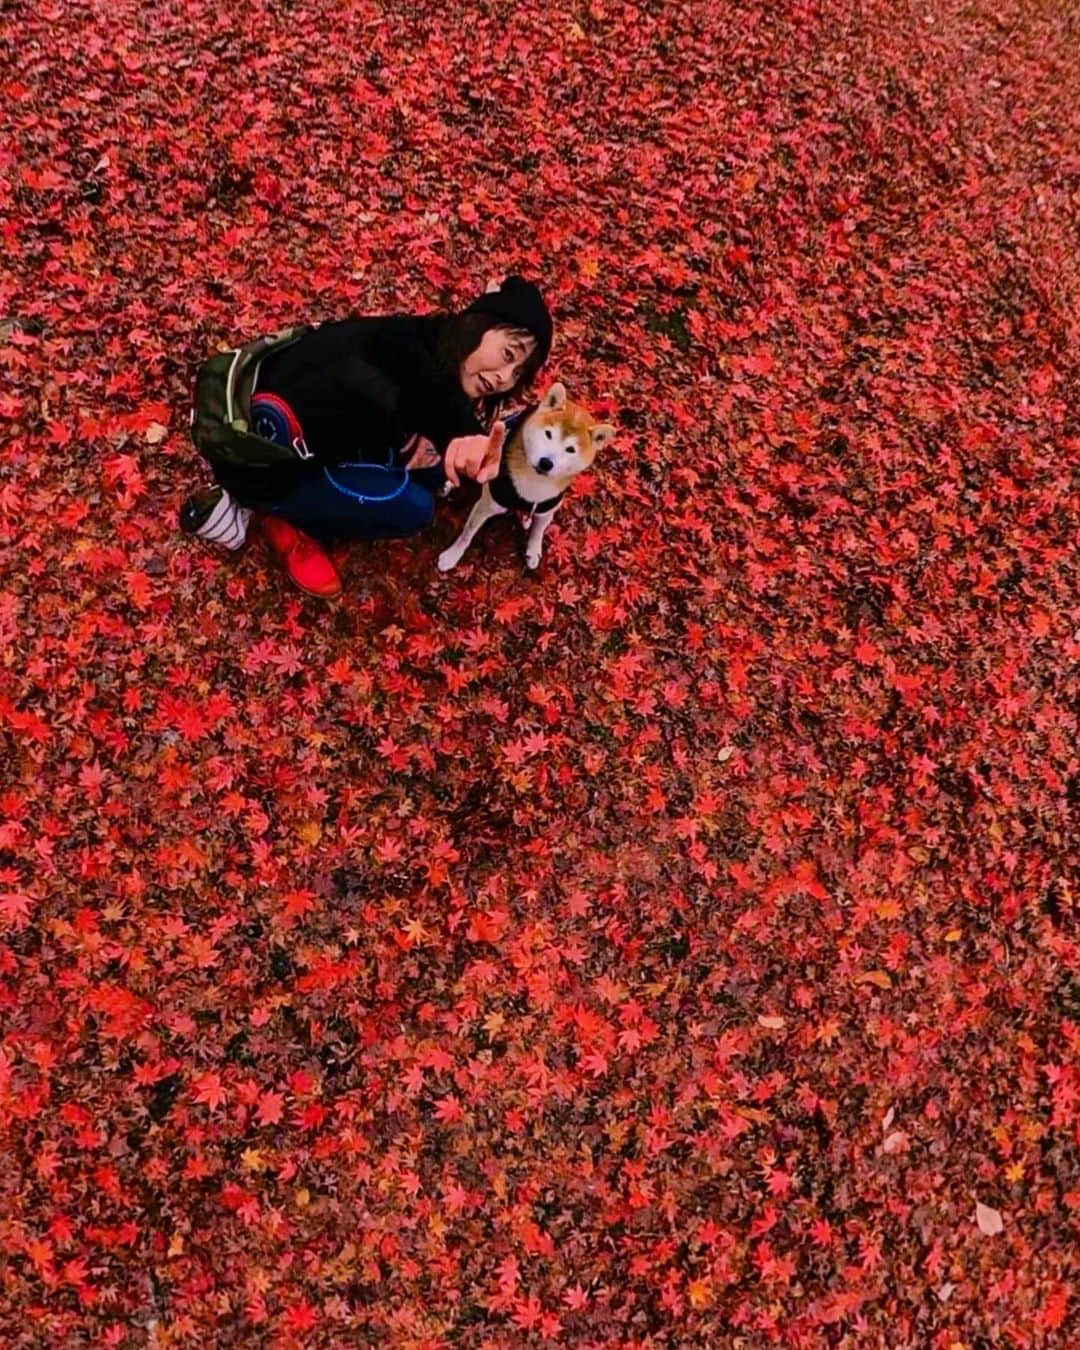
[(519, 304)]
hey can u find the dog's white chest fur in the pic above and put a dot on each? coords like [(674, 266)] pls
[(546, 452)]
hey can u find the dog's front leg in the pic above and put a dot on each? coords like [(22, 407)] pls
[(534, 543), (485, 508)]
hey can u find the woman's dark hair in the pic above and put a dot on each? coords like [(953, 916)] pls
[(462, 334)]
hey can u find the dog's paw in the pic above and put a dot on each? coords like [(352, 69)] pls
[(532, 560), (448, 559)]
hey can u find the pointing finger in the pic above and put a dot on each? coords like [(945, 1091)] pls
[(489, 466)]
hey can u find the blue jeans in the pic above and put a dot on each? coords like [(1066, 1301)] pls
[(358, 501), (336, 502)]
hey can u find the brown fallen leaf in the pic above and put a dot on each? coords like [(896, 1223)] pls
[(771, 1021), (879, 978)]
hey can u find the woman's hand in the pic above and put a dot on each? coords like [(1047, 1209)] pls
[(475, 456), (423, 456)]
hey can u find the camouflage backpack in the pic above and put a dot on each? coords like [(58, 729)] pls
[(221, 412)]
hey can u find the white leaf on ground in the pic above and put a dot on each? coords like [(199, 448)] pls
[(989, 1220)]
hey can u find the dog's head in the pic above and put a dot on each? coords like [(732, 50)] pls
[(560, 438)]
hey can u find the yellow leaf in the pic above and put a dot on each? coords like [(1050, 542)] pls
[(616, 1132), (302, 1197), (876, 977), (416, 932), (1014, 1172), (888, 909), (176, 1244), (258, 1280), (252, 1159), (953, 935), (700, 1293), (310, 832)]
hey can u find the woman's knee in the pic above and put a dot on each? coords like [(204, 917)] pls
[(416, 511)]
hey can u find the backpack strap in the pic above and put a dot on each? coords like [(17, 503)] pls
[(240, 379)]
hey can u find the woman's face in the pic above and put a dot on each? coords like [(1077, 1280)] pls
[(496, 364)]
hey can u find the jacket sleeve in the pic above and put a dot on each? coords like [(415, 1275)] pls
[(346, 405), (439, 411), (428, 399), (361, 387), (372, 398)]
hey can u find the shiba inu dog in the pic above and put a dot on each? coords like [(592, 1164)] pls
[(546, 449)]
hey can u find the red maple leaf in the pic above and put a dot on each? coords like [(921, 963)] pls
[(208, 1090), (15, 907)]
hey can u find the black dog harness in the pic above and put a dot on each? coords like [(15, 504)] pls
[(502, 489)]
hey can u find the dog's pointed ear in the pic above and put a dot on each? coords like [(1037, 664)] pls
[(492, 286), (602, 435), (555, 398)]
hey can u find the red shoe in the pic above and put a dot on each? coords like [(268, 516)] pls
[(304, 559)]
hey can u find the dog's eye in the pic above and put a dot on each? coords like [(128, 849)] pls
[(548, 434), (571, 448)]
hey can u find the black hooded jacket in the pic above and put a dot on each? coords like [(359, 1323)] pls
[(359, 388)]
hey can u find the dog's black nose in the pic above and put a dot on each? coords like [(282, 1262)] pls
[(544, 465)]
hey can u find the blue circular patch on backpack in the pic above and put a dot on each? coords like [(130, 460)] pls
[(270, 422)]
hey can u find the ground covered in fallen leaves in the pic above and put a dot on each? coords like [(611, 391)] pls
[(675, 948)]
